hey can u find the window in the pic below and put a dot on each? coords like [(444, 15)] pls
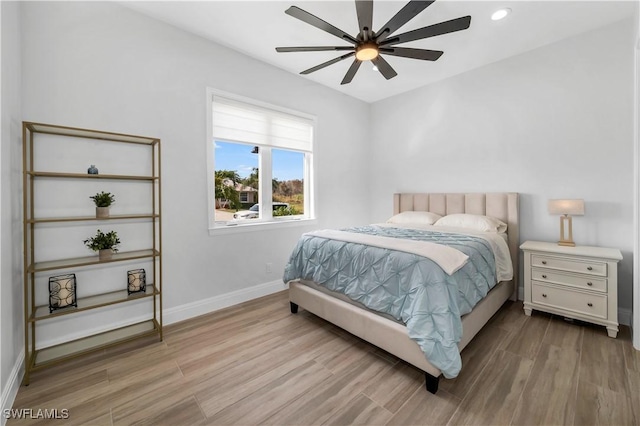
[(260, 159)]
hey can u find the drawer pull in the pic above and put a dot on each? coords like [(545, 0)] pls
[(590, 304), (544, 295), (544, 276), (589, 268), (589, 283), (544, 262)]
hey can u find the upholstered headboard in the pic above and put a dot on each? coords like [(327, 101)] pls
[(501, 205)]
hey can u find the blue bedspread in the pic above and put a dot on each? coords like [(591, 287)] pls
[(411, 288)]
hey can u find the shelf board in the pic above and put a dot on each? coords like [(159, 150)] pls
[(89, 134), (53, 354), (92, 218), (93, 302), (91, 260), (88, 176)]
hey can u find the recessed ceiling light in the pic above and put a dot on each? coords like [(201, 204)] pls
[(500, 14)]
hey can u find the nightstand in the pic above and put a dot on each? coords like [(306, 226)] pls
[(576, 282)]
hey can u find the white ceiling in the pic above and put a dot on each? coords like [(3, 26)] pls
[(255, 28)]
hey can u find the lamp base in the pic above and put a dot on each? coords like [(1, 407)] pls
[(564, 241)]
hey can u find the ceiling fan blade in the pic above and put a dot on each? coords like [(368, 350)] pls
[(446, 27), (310, 19), (405, 52), (384, 67), (326, 64), (364, 10), (353, 69), (407, 13), (312, 48)]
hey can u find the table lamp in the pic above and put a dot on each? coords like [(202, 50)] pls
[(566, 208)]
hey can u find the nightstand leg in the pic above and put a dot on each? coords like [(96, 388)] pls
[(527, 311), (612, 331)]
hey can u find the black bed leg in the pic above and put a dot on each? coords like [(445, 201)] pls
[(294, 310), (431, 382)]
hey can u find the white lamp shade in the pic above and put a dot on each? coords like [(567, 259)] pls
[(570, 207)]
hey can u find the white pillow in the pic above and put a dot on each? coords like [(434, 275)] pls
[(473, 221), (422, 218)]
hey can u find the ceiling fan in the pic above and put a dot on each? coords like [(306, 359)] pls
[(368, 45)]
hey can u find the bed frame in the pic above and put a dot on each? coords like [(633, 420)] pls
[(392, 336)]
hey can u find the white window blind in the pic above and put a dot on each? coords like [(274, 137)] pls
[(242, 122)]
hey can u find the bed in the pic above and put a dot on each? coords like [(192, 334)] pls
[(392, 336)]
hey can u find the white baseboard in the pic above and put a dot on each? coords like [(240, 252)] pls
[(11, 389), (201, 307)]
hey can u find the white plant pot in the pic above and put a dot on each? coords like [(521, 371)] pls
[(105, 254), (102, 211)]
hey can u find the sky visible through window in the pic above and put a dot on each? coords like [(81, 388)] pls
[(287, 165)]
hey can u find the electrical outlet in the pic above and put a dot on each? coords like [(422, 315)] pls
[(268, 267)]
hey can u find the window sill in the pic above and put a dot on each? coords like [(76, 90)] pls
[(260, 226)]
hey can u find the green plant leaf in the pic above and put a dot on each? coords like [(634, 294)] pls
[(102, 241), (103, 199)]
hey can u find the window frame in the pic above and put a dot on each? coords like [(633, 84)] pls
[(265, 174)]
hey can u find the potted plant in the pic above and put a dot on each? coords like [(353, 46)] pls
[(103, 200), (104, 244)]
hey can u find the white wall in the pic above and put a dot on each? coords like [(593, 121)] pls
[(102, 66), (555, 122), (635, 325), (2, 380), (11, 205)]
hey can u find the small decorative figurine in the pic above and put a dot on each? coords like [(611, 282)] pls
[(92, 170)]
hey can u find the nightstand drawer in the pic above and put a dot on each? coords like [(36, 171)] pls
[(588, 304), (547, 276), (570, 265)]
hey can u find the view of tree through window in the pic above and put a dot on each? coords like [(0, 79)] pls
[(237, 181), (288, 181)]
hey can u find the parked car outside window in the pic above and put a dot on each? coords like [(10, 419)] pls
[(254, 211)]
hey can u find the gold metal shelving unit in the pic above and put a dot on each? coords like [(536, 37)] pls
[(36, 358)]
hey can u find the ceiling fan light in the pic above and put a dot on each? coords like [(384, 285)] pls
[(500, 14), (367, 52)]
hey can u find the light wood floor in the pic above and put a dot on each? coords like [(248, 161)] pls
[(256, 363)]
